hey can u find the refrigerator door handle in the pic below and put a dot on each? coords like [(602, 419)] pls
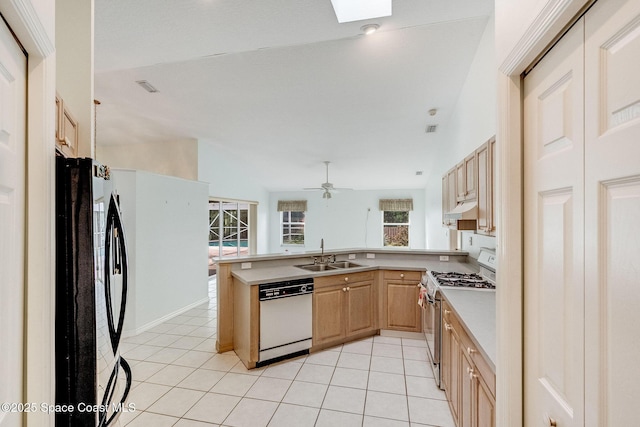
[(114, 233), (107, 401)]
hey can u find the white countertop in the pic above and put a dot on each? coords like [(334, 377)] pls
[(476, 309)]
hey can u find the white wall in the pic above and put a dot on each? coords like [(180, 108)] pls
[(344, 221), (166, 228), (473, 122), (175, 158), (74, 66), (229, 180)]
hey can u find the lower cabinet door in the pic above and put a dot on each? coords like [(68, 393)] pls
[(360, 308), (328, 314)]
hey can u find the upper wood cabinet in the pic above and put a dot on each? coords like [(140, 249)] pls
[(449, 195), (472, 180), (66, 130), (466, 178), (400, 290), (485, 156)]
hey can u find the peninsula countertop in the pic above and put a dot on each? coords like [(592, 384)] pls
[(273, 268)]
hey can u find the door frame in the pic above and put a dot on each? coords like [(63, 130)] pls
[(546, 28), (34, 26)]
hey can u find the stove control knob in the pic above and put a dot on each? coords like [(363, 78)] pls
[(303, 288)]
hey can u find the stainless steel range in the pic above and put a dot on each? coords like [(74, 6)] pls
[(432, 283)]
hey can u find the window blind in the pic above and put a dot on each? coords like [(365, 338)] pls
[(292, 205), (396, 205)]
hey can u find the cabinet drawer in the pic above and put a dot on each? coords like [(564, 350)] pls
[(341, 279), (403, 275)]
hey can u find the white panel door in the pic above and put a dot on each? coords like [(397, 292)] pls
[(12, 213), (612, 213), (553, 235)]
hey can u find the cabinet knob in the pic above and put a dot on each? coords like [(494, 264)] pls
[(346, 279), (471, 373), (551, 422), (348, 288), (470, 350), (447, 311), (418, 285), (448, 327), (402, 275), (344, 289)]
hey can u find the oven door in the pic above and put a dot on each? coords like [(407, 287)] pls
[(431, 322)]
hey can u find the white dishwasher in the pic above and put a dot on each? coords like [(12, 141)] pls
[(285, 319)]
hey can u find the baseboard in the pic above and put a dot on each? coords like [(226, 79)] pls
[(402, 334), (143, 328)]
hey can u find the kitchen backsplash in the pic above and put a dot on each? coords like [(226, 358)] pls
[(472, 243)]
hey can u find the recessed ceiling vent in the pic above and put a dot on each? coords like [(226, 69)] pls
[(147, 86), (431, 128)]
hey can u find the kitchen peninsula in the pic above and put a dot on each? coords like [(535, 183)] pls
[(384, 281)]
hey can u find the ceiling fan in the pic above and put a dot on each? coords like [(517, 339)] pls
[(326, 186)]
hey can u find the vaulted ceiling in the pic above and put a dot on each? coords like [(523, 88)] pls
[(279, 86)]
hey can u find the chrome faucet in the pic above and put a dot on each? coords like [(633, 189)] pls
[(322, 259)]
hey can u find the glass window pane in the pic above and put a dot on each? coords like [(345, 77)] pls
[(401, 217), (396, 235)]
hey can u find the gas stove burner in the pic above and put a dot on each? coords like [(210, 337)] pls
[(466, 280), (454, 277)]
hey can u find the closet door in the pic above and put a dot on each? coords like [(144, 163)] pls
[(612, 213), (553, 236)]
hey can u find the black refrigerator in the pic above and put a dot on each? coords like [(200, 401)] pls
[(91, 296)]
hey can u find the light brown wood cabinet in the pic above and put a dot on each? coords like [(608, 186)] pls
[(66, 130), (400, 309), (449, 195), (466, 178), (473, 179), (343, 307), (468, 380), (486, 187)]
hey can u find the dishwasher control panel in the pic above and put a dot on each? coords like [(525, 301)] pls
[(284, 289)]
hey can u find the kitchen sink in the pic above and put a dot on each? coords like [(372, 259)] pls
[(331, 266), (317, 267), (344, 264)]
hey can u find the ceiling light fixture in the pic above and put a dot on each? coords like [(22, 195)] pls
[(357, 10), (147, 86), (369, 28)]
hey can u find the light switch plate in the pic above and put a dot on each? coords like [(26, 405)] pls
[(371, 256), (245, 265), (444, 257)]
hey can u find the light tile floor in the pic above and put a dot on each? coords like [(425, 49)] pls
[(180, 380)]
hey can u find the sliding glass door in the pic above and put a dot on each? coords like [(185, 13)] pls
[(229, 228)]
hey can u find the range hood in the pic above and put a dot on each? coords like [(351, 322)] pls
[(463, 217)]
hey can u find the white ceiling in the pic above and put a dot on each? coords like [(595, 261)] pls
[(281, 86)]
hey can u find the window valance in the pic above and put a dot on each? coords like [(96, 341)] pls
[(395, 205), (292, 205)]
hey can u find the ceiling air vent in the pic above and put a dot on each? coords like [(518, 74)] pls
[(147, 86), (431, 128)]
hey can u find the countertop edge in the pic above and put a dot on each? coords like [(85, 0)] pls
[(481, 346)]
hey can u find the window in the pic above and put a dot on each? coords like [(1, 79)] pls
[(292, 221), (395, 227), (292, 228), (395, 221)]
